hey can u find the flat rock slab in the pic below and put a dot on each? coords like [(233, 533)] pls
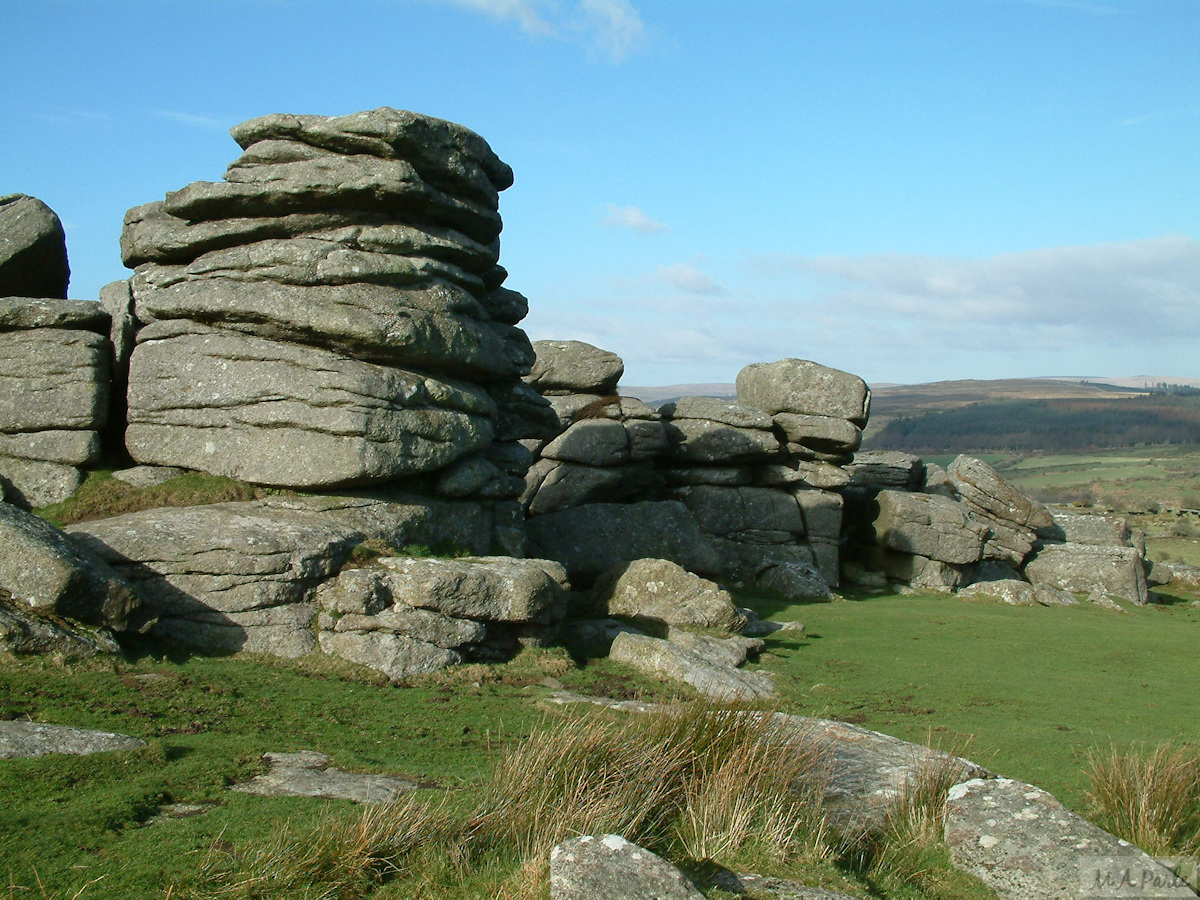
[(714, 679), (868, 770), (766, 886), (1024, 845), (608, 867), (20, 739), (309, 774)]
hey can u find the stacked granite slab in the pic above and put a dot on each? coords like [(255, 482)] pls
[(332, 313), (716, 448), (602, 447), (54, 361), (54, 365), (818, 414)]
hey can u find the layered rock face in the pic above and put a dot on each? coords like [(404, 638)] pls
[(599, 447), (54, 366), (332, 313), (759, 485)]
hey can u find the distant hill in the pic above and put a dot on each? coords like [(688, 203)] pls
[(663, 393), (907, 400), (1053, 412), (1054, 425)]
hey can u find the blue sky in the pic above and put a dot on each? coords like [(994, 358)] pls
[(911, 190)]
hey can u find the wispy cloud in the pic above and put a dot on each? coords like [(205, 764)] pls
[(632, 218), (610, 29), (195, 121), (1085, 6), (1159, 115), (1119, 307), (688, 278)]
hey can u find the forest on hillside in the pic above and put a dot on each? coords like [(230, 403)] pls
[(1046, 425)]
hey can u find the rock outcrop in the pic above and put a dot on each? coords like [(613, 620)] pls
[(54, 389), (332, 313), (608, 867)]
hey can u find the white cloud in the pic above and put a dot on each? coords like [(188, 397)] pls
[(1119, 308), (207, 122), (612, 29), (1133, 121), (615, 26), (632, 218), (684, 277)]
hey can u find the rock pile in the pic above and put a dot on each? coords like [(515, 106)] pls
[(965, 526), (750, 499), (332, 313), (602, 447)]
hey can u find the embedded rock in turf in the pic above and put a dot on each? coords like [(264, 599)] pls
[(20, 739), (309, 774), (1023, 844), (608, 867), (715, 679)]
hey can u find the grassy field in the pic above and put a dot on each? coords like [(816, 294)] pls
[(1024, 691)]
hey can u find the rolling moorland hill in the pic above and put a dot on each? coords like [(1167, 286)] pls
[(1011, 414)]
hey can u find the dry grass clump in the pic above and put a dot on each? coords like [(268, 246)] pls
[(695, 783), (910, 850), (1149, 796)]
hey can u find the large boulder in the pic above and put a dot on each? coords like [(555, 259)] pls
[(491, 589), (608, 867), (281, 414), (593, 538), (1086, 568), (573, 367), (1080, 528), (33, 249), (44, 572), (664, 591), (1012, 519), (927, 525), (806, 388), (1025, 845)]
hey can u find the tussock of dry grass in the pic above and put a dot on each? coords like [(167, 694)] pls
[(696, 783), (910, 850), (1150, 797)]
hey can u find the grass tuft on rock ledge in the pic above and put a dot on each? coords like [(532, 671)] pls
[(102, 496)]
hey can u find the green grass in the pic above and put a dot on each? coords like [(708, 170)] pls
[(101, 496), (1027, 691), (66, 821)]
